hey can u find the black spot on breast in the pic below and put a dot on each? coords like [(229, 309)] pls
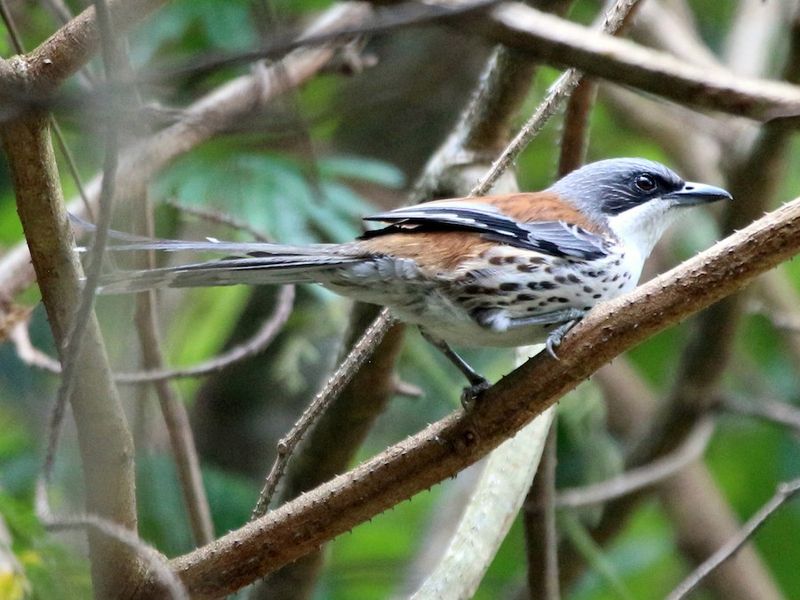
[(526, 268), (560, 279), (538, 286), (573, 278), (496, 260), (587, 289), (596, 296), (510, 287), (525, 298)]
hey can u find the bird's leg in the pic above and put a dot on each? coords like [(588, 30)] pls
[(568, 318), (478, 383), (557, 335)]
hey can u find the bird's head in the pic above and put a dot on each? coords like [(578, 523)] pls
[(636, 199)]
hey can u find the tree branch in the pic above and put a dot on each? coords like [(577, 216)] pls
[(561, 42), (69, 48), (786, 492), (105, 441), (445, 447)]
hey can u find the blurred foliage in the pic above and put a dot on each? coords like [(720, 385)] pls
[(51, 568), (284, 174), (276, 194)]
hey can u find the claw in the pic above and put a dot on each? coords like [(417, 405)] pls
[(557, 336), (469, 396), (551, 344)]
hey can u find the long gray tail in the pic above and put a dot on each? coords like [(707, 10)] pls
[(251, 263)]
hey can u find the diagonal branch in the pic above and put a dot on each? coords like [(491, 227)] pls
[(786, 492), (560, 42), (66, 51), (445, 447)]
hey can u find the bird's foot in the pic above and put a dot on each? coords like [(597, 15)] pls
[(469, 397), (557, 336)]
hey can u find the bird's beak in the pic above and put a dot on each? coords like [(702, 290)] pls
[(692, 194)]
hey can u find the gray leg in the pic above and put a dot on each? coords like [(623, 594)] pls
[(567, 319), (478, 382)]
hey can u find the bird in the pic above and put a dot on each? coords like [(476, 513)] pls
[(494, 271)]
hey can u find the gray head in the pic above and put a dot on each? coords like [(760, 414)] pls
[(636, 199)]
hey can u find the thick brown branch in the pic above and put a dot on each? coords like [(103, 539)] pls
[(459, 440), (105, 441), (560, 42), (71, 47)]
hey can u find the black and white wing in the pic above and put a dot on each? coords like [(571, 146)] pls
[(555, 238)]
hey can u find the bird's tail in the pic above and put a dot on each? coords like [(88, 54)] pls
[(250, 263)]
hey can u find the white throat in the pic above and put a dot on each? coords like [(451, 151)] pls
[(639, 228)]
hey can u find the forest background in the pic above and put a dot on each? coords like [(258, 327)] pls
[(195, 118)]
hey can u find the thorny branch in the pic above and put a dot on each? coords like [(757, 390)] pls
[(449, 445), (332, 387)]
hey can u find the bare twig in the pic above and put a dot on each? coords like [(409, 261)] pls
[(399, 15), (247, 349), (785, 492), (16, 39), (575, 136), (785, 321), (360, 352), (768, 410), (184, 451), (560, 91), (541, 532), (636, 479), (29, 353), (214, 216)]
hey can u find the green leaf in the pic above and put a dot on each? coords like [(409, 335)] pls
[(362, 169)]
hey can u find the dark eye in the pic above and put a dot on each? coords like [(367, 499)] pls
[(645, 183)]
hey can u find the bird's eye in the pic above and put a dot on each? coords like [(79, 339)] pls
[(645, 183)]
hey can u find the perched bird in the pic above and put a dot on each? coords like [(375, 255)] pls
[(504, 270)]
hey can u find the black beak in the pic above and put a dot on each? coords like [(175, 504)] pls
[(692, 194)]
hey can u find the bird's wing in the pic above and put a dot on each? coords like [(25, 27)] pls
[(555, 238)]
